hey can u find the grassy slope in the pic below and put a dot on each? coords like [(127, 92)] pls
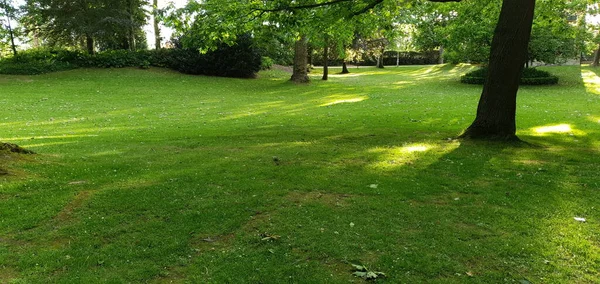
[(153, 176)]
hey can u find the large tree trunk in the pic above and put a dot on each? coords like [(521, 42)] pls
[(496, 112), (89, 41), (345, 67), (300, 72), (596, 61), (156, 22), (326, 60), (441, 55)]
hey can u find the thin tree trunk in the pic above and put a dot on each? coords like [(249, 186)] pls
[(10, 30), (89, 41), (12, 39), (156, 22), (326, 59), (300, 72), (132, 45), (441, 55), (309, 57), (496, 111), (380, 60), (345, 67), (596, 61)]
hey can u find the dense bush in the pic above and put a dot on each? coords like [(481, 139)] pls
[(530, 76), (241, 60), (119, 59), (266, 63), (38, 61)]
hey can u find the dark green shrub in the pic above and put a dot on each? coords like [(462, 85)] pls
[(530, 76), (39, 61), (241, 60), (120, 59)]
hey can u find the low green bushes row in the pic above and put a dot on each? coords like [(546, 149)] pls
[(530, 76), (241, 60)]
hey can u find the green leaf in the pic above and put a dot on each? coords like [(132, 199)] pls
[(359, 267), (360, 274)]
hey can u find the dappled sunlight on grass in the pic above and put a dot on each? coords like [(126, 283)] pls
[(408, 154), (415, 148), (50, 137), (556, 129), (591, 81), (561, 128), (48, 144), (106, 153), (265, 108), (347, 75), (340, 99)]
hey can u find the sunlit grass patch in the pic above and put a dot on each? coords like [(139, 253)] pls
[(390, 158), (557, 129), (341, 99), (591, 81)]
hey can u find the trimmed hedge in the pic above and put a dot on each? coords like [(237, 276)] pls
[(530, 76), (241, 60)]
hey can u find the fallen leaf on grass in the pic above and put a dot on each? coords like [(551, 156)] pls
[(363, 272), (269, 237)]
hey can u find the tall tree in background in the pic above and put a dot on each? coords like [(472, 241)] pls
[(8, 12), (156, 21), (110, 23)]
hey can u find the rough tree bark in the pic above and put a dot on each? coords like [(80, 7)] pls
[(596, 61), (300, 71), (495, 119)]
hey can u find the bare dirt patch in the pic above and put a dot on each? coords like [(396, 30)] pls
[(287, 69), (67, 213), (7, 274)]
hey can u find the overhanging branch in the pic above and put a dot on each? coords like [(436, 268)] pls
[(299, 7), (371, 5)]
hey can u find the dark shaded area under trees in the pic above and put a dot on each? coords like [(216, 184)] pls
[(241, 60)]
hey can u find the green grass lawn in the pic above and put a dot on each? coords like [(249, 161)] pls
[(154, 176)]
